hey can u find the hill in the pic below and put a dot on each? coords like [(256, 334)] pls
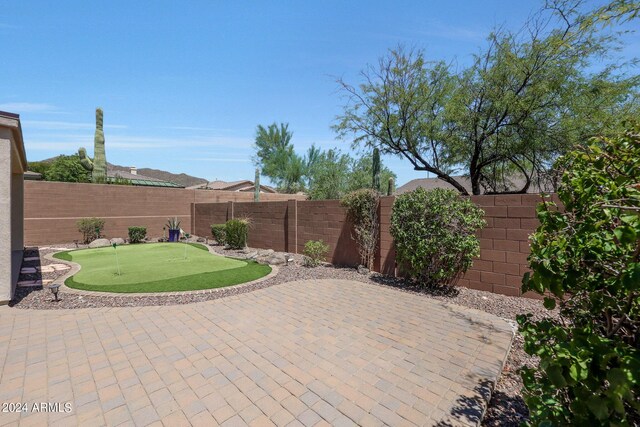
[(181, 178)]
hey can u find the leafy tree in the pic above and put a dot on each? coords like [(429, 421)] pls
[(361, 173), (39, 167), (586, 261), (277, 159), (66, 169), (328, 178), (528, 97)]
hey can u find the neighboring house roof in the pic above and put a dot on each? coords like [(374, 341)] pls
[(242, 185), (140, 180), (431, 183), (32, 176)]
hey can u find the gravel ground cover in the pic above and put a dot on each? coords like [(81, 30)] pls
[(506, 407)]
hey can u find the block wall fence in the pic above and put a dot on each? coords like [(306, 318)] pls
[(287, 225), (51, 209)]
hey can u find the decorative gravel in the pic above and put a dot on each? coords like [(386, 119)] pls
[(506, 407)]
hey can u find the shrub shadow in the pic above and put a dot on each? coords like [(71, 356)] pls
[(23, 291)]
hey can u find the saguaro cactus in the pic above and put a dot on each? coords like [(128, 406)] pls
[(97, 166), (376, 170), (391, 188), (256, 185)]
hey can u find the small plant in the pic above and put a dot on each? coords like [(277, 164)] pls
[(219, 234), (91, 228), (585, 260), (137, 234), (362, 211), (434, 233), (173, 223), (236, 232), (315, 253)]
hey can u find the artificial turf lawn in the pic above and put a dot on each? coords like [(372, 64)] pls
[(158, 267)]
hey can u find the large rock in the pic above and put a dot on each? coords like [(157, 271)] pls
[(117, 241), (100, 243), (272, 259)]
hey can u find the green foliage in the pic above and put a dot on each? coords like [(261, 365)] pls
[(119, 180), (173, 223), (315, 253), (434, 233), (362, 171), (98, 165), (528, 97), (218, 233), (137, 234), (91, 228), (236, 233), (329, 175), (362, 211), (586, 259), (38, 167), (277, 159), (66, 169)]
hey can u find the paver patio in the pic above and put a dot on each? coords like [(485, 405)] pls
[(307, 353)]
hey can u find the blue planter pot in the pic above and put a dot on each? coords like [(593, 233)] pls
[(174, 235)]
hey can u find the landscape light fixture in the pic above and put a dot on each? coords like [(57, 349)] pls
[(54, 288)]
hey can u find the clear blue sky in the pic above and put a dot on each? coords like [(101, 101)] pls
[(184, 84)]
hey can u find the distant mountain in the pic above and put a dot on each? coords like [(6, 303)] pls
[(182, 178)]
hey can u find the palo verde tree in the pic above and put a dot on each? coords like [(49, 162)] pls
[(527, 98), (277, 159)]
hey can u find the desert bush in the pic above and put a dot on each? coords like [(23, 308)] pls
[(315, 253), (236, 232), (91, 228), (218, 233), (137, 234), (585, 258), (434, 233), (362, 211)]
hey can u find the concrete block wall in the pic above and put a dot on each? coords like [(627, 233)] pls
[(503, 242), (51, 209)]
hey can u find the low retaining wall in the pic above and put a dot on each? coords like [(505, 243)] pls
[(51, 209), (287, 226)]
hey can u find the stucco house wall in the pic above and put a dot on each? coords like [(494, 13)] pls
[(13, 164)]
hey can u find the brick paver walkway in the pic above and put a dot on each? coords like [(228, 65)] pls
[(304, 353)]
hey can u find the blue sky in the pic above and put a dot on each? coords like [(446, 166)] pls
[(184, 84)]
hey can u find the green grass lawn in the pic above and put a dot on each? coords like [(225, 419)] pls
[(158, 267)]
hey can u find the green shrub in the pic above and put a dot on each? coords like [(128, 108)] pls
[(362, 211), (218, 232), (137, 234), (315, 253), (586, 260), (236, 232), (434, 234), (91, 228)]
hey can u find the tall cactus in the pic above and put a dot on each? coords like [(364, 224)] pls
[(391, 188), (256, 185), (97, 166), (376, 169)]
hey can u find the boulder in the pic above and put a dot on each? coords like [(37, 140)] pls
[(100, 243), (251, 255), (265, 252), (272, 259), (200, 240), (117, 241)]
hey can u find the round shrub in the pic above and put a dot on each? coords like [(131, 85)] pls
[(315, 252), (236, 232), (218, 232), (585, 259), (434, 233), (137, 234), (91, 228)]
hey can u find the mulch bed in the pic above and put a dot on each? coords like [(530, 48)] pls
[(506, 407)]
